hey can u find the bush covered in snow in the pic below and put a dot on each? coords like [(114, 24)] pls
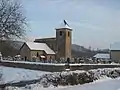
[(77, 77)]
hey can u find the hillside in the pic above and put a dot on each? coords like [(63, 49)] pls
[(80, 51), (11, 48)]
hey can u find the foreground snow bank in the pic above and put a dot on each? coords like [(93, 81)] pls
[(104, 84), (71, 78), (78, 77), (10, 75)]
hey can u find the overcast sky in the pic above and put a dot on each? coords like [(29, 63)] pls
[(95, 23)]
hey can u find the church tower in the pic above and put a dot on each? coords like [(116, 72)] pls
[(63, 41)]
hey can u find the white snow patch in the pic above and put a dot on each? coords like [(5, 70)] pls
[(102, 55), (37, 63), (17, 74), (40, 46), (55, 64), (105, 84)]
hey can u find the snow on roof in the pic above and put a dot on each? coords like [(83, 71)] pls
[(64, 25), (115, 46), (102, 55), (47, 37), (40, 46)]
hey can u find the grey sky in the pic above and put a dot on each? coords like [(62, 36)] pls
[(95, 22)]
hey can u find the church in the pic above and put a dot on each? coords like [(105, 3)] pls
[(53, 48)]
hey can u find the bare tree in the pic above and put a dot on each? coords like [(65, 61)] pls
[(12, 20)]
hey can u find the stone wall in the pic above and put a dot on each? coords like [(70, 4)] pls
[(57, 67)]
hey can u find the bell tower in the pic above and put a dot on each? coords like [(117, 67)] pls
[(63, 41)]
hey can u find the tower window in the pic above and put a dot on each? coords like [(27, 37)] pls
[(68, 34), (37, 54), (60, 33)]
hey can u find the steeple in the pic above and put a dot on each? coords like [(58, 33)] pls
[(64, 25), (63, 41)]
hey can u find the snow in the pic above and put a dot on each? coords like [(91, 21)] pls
[(64, 25), (40, 46), (93, 64), (56, 64), (37, 63), (102, 55), (103, 84), (17, 74), (104, 81)]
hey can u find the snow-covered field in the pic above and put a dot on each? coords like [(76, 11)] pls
[(104, 84), (10, 74), (99, 79)]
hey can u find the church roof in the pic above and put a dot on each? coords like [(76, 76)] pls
[(64, 25), (40, 46)]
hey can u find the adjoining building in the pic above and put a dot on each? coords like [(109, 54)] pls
[(115, 52), (54, 47), (40, 51)]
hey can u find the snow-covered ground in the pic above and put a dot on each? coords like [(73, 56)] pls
[(10, 74), (35, 63), (104, 84), (103, 79)]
